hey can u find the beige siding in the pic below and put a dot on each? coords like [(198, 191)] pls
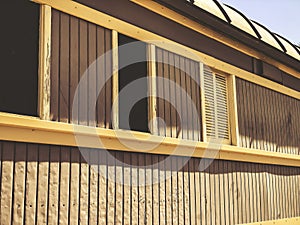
[(51, 184)]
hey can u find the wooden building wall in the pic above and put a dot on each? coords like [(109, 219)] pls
[(42, 184), (267, 119), (178, 91), (76, 44)]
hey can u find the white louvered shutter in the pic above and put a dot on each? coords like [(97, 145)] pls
[(216, 107)]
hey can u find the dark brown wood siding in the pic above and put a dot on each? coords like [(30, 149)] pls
[(76, 44), (178, 91), (268, 120), (43, 184)]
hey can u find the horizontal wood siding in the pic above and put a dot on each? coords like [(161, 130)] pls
[(76, 44), (52, 184), (267, 120), (178, 91)]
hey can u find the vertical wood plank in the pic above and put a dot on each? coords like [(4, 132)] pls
[(186, 192), (115, 80), (74, 186), (8, 155), (166, 92), (53, 194), (233, 114), (192, 191), (160, 94), (180, 183), (127, 189), (19, 183), (141, 189), (64, 60), (152, 89), (43, 185), (93, 186), (74, 58), (92, 81), (134, 190), (84, 186), (174, 169), (111, 188), (111, 68), (31, 184), (172, 95), (102, 219), (149, 196), (162, 191), (100, 106), (119, 188), (44, 62), (54, 78), (155, 190), (64, 185), (168, 190)]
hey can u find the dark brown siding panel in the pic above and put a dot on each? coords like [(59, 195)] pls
[(272, 73), (291, 81), (267, 120), (178, 88), (76, 44), (155, 23)]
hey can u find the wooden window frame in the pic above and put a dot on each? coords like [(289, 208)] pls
[(33, 130)]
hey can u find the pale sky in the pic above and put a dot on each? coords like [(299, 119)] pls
[(279, 16)]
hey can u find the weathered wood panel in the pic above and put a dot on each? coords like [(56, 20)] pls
[(267, 120), (102, 187), (77, 49), (178, 91)]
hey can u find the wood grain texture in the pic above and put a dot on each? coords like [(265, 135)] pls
[(45, 184), (78, 49), (178, 90), (267, 120)]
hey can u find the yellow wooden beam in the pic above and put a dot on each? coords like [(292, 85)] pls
[(288, 221), (33, 130), (44, 62), (178, 18), (102, 19)]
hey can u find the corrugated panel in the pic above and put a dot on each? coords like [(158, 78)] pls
[(216, 107), (266, 36), (76, 44), (211, 7), (290, 49), (267, 120), (239, 21), (179, 102), (42, 184)]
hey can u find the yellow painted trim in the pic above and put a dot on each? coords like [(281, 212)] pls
[(33, 130), (102, 19), (152, 89), (172, 15), (115, 80), (288, 221), (44, 62), (233, 113)]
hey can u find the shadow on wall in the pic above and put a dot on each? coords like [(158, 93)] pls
[(267, 120)]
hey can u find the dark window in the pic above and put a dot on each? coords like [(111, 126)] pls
[(133, 68), (19, 57)]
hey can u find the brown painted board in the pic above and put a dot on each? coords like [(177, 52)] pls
[(55, 50), (64, 73)]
